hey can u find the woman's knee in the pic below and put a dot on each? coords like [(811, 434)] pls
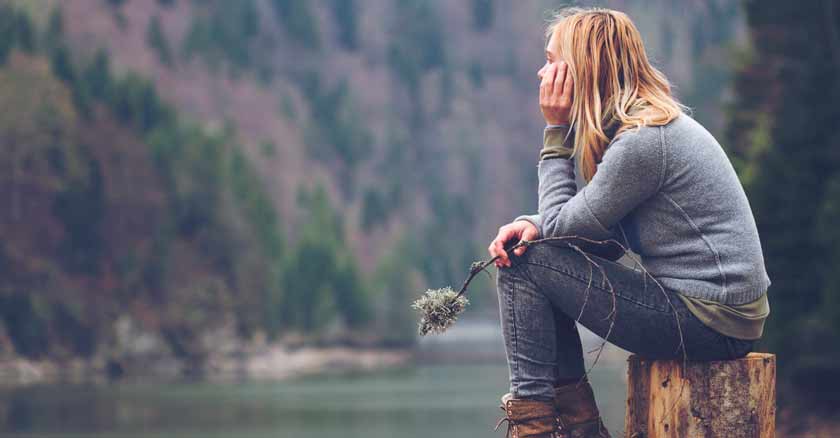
[(507, 276), (546, 253)]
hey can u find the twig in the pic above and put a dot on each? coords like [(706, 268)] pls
[(682, 340), (477, 267), (611, 315)]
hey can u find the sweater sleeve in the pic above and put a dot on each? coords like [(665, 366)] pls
[(558, 143), (535, 219), (631, 170)]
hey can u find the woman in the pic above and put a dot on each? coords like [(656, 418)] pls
[(659, 183)]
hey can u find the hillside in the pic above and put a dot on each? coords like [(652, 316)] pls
[(281, 168)]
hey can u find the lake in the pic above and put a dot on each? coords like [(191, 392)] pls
[(428, 399)]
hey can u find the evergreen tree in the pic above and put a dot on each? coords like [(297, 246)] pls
[(15, 31), (784, 145), (323, 280), (156, 39), (296, 16), (483, 14), (346, 16)]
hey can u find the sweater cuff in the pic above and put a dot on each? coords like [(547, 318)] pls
[(555, 143), (534, 219)]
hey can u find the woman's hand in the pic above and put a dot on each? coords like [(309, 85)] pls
[(519, 230), (556, 93)]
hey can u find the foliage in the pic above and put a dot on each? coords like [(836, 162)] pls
[(223, 30), (346, 14), (15, 31), (256, 203), (483, 14), (374, 209), (54, 33), (476, 74), (27, 326), (81, 209), (441, 253), (322, 276), (416, 44), (337, 134), (41, 146), (135, 102), (299, 22), (156, 39), (207, 243), (46, 164), (214, 208), (393, 284), (268, 148), (783, 139)]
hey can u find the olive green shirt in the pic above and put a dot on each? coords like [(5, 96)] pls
[(742, 321)]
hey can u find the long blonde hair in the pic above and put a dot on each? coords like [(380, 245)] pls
[(615, 87)]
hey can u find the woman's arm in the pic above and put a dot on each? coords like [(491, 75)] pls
[(558, 142), (631, 170), (609, 249), (557, 145)]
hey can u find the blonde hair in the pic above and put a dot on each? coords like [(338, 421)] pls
[(615, 87)]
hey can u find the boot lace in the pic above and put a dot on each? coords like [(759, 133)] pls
[(560, 432)]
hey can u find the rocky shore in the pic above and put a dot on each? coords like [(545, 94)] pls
[(140, 354)]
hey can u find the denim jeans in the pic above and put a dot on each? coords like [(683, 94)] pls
[(542, 293)]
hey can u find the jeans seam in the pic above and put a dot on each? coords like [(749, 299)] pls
[(572, 275), (514, 348)]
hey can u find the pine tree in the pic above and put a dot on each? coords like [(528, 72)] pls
[(782, 136)]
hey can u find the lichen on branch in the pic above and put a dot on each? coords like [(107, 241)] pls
[(439, 308)]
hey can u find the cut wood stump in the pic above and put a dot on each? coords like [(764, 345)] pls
[(728, 398)]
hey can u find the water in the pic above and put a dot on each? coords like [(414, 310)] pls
[(424, 400)]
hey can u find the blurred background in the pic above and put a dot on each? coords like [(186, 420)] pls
[(215, 214)]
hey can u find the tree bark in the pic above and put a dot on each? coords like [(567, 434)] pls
[(730, 398)]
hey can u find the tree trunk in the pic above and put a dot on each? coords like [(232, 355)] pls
[(730, 398)]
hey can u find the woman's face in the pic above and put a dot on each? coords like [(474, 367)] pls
[(551, 55)]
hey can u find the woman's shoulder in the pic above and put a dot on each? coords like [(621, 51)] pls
[(644, 139), (686, 130), (653, 133), (680, 122), (683, 136)]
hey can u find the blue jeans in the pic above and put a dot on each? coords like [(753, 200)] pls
[(542, 293)]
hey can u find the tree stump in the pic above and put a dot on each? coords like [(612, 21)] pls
[(728, 398)]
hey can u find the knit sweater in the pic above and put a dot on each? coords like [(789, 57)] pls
[(671, 195)]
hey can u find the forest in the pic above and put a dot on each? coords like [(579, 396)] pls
[(301, 171)]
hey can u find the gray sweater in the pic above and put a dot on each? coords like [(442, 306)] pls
[(671, 195)]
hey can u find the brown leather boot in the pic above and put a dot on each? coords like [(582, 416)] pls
[(575, 405), (530, 418)]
